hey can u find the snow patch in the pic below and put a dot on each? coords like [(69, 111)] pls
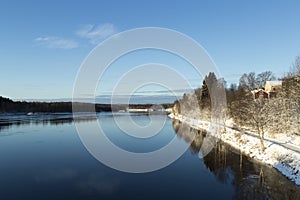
[(281, 151)]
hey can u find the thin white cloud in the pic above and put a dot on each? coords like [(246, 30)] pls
[(96, 33), (56, 42)]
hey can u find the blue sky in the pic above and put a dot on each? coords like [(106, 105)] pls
[(43, 43)]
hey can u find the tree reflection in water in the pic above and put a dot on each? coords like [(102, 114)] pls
[(8, 121), (250, 179)]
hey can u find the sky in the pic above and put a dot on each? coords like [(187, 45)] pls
[(44, 43)]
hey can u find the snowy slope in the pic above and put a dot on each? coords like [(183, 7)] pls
[(282, 152)]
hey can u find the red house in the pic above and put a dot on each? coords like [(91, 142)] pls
[(260, 93)]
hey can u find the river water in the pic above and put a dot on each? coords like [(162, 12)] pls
[(42, 157)]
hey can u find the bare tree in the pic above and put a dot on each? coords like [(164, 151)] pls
[(248, 81), (254, 114), (296, 94), (251, 81), (296, 66), (263, 77), (289, 98)]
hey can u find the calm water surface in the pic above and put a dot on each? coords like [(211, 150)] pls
[(42, 157)]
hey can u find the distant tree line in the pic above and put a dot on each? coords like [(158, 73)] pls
[(9, 106)]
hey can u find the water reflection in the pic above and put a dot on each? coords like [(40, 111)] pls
[(48, 161), (98, 183), (17, 120), (250, 179)]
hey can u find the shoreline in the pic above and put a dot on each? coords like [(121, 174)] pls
[(9, 106), (283, 156)]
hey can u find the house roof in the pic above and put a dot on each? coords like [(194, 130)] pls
[(274, 83), (256, 91)]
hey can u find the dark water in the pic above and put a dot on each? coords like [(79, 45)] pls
[(42, 157)]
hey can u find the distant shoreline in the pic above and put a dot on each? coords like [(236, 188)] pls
[(9, 106)]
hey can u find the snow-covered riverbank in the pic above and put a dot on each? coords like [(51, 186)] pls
[(282, 152)]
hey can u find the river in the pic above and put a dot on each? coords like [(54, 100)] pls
[(42, 157)]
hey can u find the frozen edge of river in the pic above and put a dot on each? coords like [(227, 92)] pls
[(283, 156)]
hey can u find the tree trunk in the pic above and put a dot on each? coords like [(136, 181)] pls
[(262, 140), (241, 160), (261, 180)]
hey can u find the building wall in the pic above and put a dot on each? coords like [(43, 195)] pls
[(274, 88), (268, 87)]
